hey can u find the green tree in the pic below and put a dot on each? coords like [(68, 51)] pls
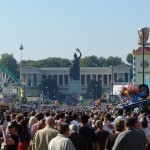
[(101, 61), (94, 89), (49, 62), (9, 62), (49, 87), (129, 59), (113, 61), (89, 61)]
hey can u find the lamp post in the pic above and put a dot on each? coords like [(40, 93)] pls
[(112, 79), (54, 94), (96, 91), (24, 89), (21, 49), (95, 94), (143, 38)]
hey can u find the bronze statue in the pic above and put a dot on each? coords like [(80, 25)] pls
[(74, 70)]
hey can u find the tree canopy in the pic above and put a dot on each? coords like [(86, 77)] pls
[(9, 62), (94, 89), (48, 87), (129, 59), (54, 62)]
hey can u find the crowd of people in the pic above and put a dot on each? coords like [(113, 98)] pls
[(75, 128)]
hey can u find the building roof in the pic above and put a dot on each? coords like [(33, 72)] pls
[(139, 50)]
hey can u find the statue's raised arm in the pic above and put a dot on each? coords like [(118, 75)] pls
[(79, 52)]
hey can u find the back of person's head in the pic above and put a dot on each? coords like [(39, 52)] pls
[(75, 116), (67, 120), (32, 113), (25, 113), (63, 128), (92, 115), (99, 124), (13, 116), (134, 115), (32, 121), (13, 124), (8, 118), (144, 122), (24, 122), (70, 113), (50, 121), (62, 115), (120, 125), (19, 117), (130, 122), (57, 116), (47, 113), (120, 112), (84, 119), (73, 128), (39, 116), (41, 124), (108, 116)]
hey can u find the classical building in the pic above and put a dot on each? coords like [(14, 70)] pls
[(138, 66), (32, 77)]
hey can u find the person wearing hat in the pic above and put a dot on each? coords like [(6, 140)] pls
[(11, 141), (78, 141)]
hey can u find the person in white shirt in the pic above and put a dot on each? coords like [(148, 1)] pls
[(107, 126), (144, 124), (75, 120), (120, 117), (61, 141)]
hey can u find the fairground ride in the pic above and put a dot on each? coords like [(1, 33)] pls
[(9, 84)]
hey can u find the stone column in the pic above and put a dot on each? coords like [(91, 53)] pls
[(128, 77), (96, 77), (85, 80), (107, 79), (102, 80), (57, 79), (32, 83), (39, 79), (63, 81), (123, 77)]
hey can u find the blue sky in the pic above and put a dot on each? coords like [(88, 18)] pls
[(55, 28)]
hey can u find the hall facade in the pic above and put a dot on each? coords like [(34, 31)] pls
[(32, 77)]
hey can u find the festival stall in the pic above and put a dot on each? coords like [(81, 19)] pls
[(134, 96)]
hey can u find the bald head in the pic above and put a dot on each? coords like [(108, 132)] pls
[(50, 121)]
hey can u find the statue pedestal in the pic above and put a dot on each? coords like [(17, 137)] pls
[(74, 87)]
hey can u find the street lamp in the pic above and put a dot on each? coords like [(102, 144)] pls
[(21, 48), (54, 94), (143, 38), (112, 79), (96, 91), (95, 94)]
